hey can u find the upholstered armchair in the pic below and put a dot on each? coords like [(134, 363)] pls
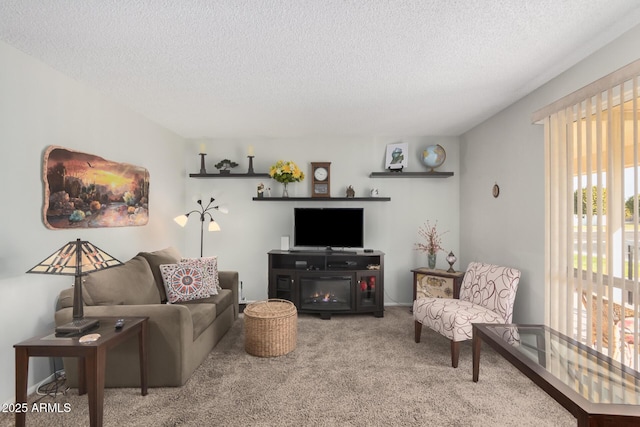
[(487, 295)]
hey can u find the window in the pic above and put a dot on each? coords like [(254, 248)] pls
[(592, 259)]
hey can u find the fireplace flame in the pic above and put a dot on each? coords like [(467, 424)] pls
[(323, 297)]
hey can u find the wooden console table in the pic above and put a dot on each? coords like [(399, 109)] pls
[(91, 361), (596, 389)]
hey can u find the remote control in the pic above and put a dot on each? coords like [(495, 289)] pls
[(119, 323)]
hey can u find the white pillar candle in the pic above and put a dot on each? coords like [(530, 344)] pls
[(250, 151), (203, 149)]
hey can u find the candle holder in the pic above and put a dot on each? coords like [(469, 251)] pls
[(203, 170), (250, 171)]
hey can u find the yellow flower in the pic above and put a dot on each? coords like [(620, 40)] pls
[(286, 172)]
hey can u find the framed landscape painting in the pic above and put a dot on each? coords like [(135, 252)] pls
[(86, 191)]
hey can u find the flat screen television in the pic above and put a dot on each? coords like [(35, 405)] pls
[(328, 228)]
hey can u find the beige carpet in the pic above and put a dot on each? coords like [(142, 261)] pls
[(352, 370)]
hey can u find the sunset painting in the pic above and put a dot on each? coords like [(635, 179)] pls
[(86, 191)]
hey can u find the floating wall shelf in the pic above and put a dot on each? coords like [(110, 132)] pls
[(322, 199), (229, 175), (410, 174)]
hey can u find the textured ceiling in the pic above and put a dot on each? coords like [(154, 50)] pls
[(287, 68)]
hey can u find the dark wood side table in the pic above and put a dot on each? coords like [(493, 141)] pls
[(434, 283), (91, 360)]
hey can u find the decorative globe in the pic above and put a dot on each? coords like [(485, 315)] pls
[(433, 156)]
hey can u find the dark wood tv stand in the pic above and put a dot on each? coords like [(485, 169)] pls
[(328, 282)]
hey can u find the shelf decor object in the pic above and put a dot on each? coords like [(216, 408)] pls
[(250, 156), (78, 258), (204, 211), (351, 193), (396, 157), (250, 170), (434, 156), (203, 152), (225, 166), (203, 169), (285, 172), (321, 179)]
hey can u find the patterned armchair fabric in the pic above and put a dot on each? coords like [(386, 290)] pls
[(487, 295)]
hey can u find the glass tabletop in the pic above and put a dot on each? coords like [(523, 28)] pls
[(593, 375)]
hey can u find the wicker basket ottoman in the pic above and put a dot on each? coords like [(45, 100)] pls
[(270, 328)]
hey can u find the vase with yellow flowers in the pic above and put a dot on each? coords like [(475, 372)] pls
[(285, 172), (433, 242)]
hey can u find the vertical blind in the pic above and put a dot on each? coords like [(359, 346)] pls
[(592, 234)]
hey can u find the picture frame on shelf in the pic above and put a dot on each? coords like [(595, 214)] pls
[(397, 156)]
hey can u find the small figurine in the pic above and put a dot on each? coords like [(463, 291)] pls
[(260, 190), (351, 193)]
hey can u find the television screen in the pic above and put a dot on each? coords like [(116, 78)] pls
[(328, 227)]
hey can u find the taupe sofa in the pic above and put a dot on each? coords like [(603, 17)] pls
[(180, 335)]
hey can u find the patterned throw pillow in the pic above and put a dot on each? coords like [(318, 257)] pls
[(209, 266), (183, 282)]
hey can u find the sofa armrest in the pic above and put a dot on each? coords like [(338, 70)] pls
[(65, 299), (171, 320), (229, 280), (170, 337)]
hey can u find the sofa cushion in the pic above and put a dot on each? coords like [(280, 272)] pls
[(131, 283), (202, 315), (209, 266), (183, 282), (168, 255), (223, 300)]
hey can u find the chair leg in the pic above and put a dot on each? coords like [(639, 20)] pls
[(418, 330), (455, 353)]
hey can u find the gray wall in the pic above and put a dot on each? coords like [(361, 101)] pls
[(252, 229), (509, 150), (40, 107)]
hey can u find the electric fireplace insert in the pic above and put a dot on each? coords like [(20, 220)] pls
[(326, 293)]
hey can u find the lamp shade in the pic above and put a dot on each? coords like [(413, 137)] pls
[(76, 258), (213, 226), (181, 220)]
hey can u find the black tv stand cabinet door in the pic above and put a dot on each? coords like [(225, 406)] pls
[(358, 286)]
